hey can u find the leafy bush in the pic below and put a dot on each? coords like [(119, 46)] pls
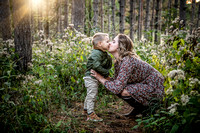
[(54, 80)]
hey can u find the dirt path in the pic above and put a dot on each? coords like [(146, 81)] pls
[(113, 121)]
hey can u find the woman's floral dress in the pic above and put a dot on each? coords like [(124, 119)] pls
[(139, 78)]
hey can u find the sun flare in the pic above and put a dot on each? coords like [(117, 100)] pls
[(36, 3)]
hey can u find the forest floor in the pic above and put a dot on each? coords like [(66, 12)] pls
[(113, 120)]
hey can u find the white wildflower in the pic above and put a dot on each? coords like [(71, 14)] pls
[(193, 81), (86, 40), (5, 49), (173, 110), (181, 77), (181, 48), (172, 83), (184, 99), (172, 106), (72, 43), (50, 66), (169, 91), (194, 92), (71, 25), (29, 77), (173, 61), (172, 73), (30, 65), (38, 82)]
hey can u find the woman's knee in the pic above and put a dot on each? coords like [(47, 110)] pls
[(125, 93)]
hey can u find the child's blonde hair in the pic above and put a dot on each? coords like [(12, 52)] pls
[(98, 37)]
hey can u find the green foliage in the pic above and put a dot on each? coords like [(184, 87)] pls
[(54, 80), (178, 60)]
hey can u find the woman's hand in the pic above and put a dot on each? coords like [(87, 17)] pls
[(98, 76)]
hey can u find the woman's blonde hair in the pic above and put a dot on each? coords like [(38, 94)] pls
[(126, 47)]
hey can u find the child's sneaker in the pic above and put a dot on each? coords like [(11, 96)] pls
[(84, 112), (93, 117)]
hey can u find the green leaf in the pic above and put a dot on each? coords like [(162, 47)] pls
[(46, 130), (135, 127), (182, 41), (42, 92), (73, 80), (1, 89), (6, 97), (175, 44), (58, 49), (81, 57), (174, 129), (59, 123), (177, 92), (72, 87)]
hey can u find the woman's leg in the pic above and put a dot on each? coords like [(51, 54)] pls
[(125, 93), (138, 107)]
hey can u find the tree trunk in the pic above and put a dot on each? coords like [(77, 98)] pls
[(156, 20), (198, 19), (160, 21), (102, 17), (140, 19), (152, 18), (90, 16), (46, 26), (175, 8), (182, 13), (192, 16), (95, 8), (169, 14), (147, 19), (122, 15), (39, 17), (5, 26), (109, 4), (66, 13), (22, 33), (79, 14), (113, 18), (58, 15), (132, 16)]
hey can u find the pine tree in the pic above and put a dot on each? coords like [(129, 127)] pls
[(5, 27), (182, 12), (113, 18), (122, 15), (66, 12), (95, 9), (147, 18), (22, 33)]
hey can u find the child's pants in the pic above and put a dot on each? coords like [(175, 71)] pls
[(92, 90)]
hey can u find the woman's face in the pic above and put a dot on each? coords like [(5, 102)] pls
[(113, 45)]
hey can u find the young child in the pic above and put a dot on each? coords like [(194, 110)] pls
[(100, 61)]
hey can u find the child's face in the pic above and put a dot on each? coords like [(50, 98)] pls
[(104, 45)]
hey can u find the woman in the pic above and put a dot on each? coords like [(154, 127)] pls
[(135, 81)]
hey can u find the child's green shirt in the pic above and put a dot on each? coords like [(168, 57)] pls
[(99, 61)]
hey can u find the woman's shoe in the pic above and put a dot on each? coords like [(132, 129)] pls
[(138, 108)]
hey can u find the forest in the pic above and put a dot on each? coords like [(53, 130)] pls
[(44, 47)]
